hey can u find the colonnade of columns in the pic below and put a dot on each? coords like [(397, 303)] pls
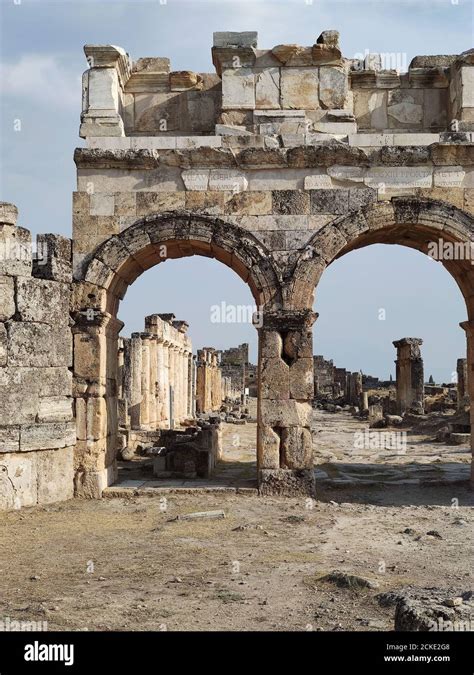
[(156, 385), (209, 384)]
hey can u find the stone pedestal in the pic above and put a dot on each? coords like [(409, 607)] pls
[(286, 384), (410, 376)]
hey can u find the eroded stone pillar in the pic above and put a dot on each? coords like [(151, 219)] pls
[(462, 385), (410, 376), (135, 380), (145, 381), (469, 328), (96, 402), (286, 386), (165, 410), (152, 412)]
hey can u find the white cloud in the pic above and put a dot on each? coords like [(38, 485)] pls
[(42, 79)]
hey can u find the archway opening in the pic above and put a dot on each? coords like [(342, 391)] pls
[(187, 378), (106, 276), (391, 396)]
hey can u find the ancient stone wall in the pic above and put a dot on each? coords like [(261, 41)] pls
[(37, 427)]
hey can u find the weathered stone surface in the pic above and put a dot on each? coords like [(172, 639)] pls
[(47, 436), (53, 259), (43, 301), (290, 202), (3, 345), (238, 88), (18, 480), (299, 88), (250, 203), (15, 250), (156, 202), (7, 298), (267, 88), (333, 87), (404, 108), (55, 470), (9, 439), (329, 201), (39, 345)]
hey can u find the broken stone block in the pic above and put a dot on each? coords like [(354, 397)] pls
[(53, 259), (15, 250), (404, 108), (238, 88), (299, 88), (184, 79), (297, 448), (333, 87), (267, 88), (18, 480), (268, 448)]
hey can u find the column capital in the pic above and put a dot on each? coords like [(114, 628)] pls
[(283, 320)]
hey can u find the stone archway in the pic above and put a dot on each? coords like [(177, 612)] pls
[(406, 221), (102, 283)]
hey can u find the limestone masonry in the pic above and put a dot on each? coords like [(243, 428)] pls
[(278, 163)]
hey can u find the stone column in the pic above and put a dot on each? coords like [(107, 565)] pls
[(194, 386), (364, 401), (184, 384), (172, 377), (160, 366), (410, 375), (145, 378), (165, 415), (190, 385), (152, 413), (286, 384), (463, 391), (469, 328), (135, 381), (178, 384), (355, 388), (124, 388)]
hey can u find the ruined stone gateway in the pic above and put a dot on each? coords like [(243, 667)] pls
[(282, 161)]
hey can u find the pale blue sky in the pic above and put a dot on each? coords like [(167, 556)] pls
[(41, 66)]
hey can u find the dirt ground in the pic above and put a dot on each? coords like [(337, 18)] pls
[(125, 563)]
